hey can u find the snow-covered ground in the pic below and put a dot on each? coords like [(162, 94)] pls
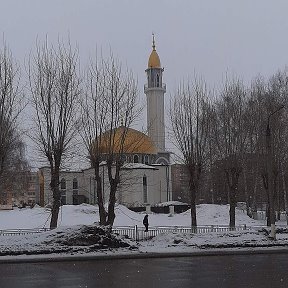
[(72, 219), (38, 217)]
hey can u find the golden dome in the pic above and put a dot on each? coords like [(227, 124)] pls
[(154, 60), (135, 142)]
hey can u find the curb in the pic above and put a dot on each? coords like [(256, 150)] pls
[(141, 255)]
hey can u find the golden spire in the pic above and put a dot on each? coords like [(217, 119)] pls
[(153, 42)]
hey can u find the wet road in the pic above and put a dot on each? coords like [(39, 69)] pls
[(210, 271)]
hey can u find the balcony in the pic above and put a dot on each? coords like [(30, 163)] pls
[(160, 88)]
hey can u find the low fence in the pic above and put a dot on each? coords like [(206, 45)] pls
[(6, 207), (139, 233), (22, 231)]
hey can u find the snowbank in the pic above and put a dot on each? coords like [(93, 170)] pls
[(85, 214), (75, 239), (75, 235)]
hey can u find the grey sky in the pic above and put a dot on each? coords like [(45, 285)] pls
[(245, 37), (211, 37)]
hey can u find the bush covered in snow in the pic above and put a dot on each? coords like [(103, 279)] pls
[(96, 237)]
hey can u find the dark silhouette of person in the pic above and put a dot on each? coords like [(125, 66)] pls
[(145, 223)]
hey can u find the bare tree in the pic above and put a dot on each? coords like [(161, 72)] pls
[(94, 111), (275, 144), (190, 120), (11, 104), (108, 111), (231, 134), (253, 158), (268, 142), (55, 89), (271, 135)]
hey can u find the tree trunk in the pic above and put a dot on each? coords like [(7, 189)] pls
[(113, 181), (277, 191), (268, 215), (265, 184), (102, 212), (232, 176), (284, 192), (233, 191), (232, 210), (271, 183), (193, 208), (247, 198), (54, 184), (254, 198), (194, 174), (112, 201)]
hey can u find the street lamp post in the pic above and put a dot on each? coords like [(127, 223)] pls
[(269, 174)]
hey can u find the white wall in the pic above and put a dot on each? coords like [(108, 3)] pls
[(130, 191)]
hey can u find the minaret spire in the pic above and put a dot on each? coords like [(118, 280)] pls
[(153, 42)]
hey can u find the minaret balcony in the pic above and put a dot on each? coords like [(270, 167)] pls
[(159, 88)]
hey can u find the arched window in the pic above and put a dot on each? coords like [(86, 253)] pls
[(162, 161), (75, 184), (124, 158), (136, 159), (146, 161), (63, 184), (145, 192), (63, 191), (157, 80)]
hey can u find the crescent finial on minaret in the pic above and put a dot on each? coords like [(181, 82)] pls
[(153, 41)]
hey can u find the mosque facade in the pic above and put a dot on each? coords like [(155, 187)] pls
[(146, 173)]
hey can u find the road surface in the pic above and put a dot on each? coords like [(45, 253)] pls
[(208, 271)]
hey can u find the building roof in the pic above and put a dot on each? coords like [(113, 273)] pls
[(138, 166), (132, 141)]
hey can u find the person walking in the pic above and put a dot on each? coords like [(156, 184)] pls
[(146, 223)]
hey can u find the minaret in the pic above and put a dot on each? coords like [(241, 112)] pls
[(154, 90)]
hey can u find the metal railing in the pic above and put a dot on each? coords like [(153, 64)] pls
[(22, 231), (139, 233)]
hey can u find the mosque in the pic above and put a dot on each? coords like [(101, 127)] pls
[(146, 173)]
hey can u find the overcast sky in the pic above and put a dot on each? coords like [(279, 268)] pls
[(245, 37), (210, 37)]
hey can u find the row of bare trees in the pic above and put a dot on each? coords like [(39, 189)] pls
[(67, 105), (93, 106), (227, 129)]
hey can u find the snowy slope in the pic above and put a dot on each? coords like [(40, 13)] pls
[(207, 214)]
